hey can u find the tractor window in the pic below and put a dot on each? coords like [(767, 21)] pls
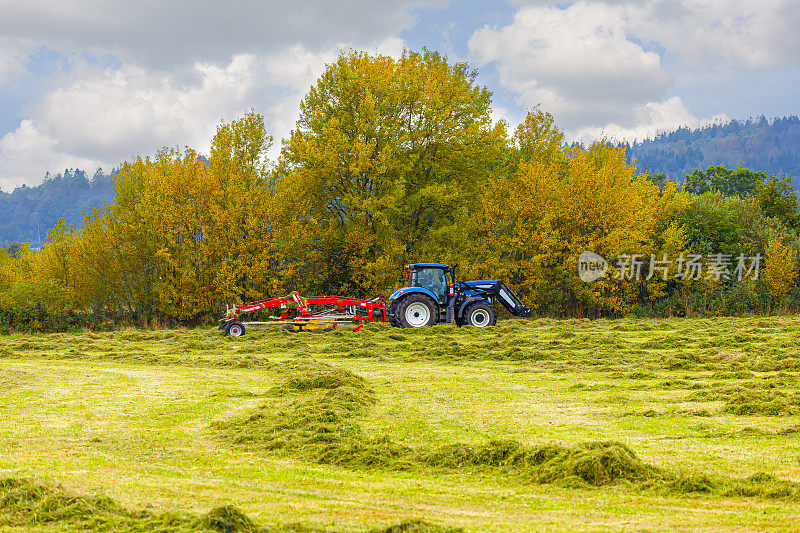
[(434, 279)]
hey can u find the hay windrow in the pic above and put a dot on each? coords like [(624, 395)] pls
[(311, 412), (305, 375), (319, 424), (227, 518), (755, 402), (628, 348), (317, 421), (595, 463), (26, 504), (417, 526)]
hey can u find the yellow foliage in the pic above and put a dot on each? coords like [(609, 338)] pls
[(537, 221), (8, 271), (388, 158), (780, 269)]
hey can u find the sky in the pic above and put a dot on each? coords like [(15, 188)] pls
[(91, 83)]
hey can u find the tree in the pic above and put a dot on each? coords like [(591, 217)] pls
[(241, 232), (53, 261), (780, 270), (660, 180), (96, 254), (537, 220), (387, 156), (8, 270), (188, 233), (779, 200), (739, 182), (538, 139)]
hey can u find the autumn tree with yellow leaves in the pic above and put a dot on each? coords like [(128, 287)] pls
[(780, 272), (555, 204), (388, 157)]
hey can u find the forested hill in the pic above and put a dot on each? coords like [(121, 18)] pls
[(758, 144), (28, 212)]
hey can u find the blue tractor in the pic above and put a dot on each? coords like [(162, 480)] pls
[(432, 296)]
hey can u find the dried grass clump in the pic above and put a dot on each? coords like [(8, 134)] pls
[(759, 402), (317, 422), (595, 463), (27, 504), (417, 526)]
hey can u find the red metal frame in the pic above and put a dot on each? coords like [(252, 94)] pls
[(362, 310)]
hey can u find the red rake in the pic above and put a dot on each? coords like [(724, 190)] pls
[(307, 313)]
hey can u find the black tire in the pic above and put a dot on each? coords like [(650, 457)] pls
[(391, 314), (416, 311), (235, 328), (480, 315)]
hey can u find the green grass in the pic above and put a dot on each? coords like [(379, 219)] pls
[(532, 425)]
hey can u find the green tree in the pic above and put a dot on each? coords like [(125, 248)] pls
[(660, 180), (387, 156), (716, 223), (739, 182), (779, 200), (241, 227)]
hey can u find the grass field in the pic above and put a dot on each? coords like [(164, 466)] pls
[(531, 425)]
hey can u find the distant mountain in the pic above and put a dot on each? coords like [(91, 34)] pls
[(28, 212), (758, 144)]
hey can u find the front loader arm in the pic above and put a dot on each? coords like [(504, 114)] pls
[(500, 291), (510, 301)]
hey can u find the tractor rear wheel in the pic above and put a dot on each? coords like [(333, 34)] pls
[(392, 315), (416, 311), (480, 315)]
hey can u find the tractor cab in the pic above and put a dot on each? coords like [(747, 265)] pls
[(432, 276)]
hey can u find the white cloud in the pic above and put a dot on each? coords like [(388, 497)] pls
[(181, 70), (28, 148), (747, 34), (577, 62), (649, 120), (13, 54), (111, 114), (164, 33), (601, 66), (104, 116), (703, 33)]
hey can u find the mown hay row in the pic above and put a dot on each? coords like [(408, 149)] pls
[(24, 504)]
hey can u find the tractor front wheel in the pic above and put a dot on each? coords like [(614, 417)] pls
[(480, 315), (416, 311)]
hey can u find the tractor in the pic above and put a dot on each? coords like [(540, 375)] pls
[(432, 296)]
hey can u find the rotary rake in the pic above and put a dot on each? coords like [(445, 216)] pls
[(309, 313)]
